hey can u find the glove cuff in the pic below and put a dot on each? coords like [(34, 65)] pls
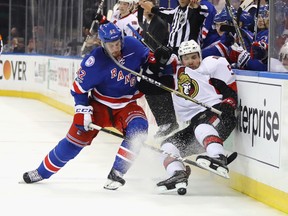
[(84, 109), (243, 59), (230, 101)]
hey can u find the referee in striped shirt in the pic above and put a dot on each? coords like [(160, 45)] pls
[(185, 20)]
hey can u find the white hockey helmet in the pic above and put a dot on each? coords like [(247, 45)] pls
[(283, 53), (187, 47), (131, 2)]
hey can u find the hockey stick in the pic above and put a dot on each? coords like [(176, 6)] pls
[(139, 37), (236, 26), (230, 158), (246, 3), (256, 21), (160, 85), (100, 7), (96, 127), (154, 39)]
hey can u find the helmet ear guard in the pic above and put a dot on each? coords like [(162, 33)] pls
[(187, 47)]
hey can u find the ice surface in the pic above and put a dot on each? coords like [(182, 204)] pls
[(29, 129)]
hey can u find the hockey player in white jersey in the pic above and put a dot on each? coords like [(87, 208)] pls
[(212, 82), (124, 16)]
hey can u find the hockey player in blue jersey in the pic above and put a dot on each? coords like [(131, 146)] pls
[(219, 40), (105, 95), (256, 57)]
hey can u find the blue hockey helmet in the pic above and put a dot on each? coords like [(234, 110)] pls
[(109, 32), (224, 16), (264, 11), (247, 19)]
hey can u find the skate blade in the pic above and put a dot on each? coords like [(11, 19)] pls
[(112, 185), (219, 171), (180, 188)]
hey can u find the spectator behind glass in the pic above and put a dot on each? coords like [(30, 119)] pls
[(280, 64), (31, 46), (280, 22), (19, 45), (255, 58), (1, 44)]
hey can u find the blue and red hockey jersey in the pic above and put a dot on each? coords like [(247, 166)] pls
[(109, 84)]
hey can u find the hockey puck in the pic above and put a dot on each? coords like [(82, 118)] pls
[(181, 191)]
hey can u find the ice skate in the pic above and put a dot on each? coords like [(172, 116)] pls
[(32, 177), (166, 129), (216, 165), (115, 180), (178, 182)]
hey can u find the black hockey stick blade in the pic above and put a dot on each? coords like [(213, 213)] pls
[(231, 157)]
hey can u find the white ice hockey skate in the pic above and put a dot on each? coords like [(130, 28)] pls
[(178, 182), (215, 165), (32, 176), (115, 180)]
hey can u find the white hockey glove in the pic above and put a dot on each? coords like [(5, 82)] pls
[(235, 51), (83, 117), (243, 59)]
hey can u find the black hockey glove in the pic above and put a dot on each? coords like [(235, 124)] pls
[(91, 14), (228, 28), (101, 18), (162, 55), (228, 107)]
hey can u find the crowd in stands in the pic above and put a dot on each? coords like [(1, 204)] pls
[(242, 40)]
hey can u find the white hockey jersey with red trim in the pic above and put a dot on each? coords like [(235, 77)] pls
[(122, 22)]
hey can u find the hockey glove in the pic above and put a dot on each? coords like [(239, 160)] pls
[(227, 28), (259, 50), (83, 117), (229, 103), (228, 117), (243, 59), (101, 18), (228, 107), (162, 55), (235, 51)]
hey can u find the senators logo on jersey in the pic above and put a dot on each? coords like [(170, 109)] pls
[(186, 85)]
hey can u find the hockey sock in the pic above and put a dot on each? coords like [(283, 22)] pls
[(57, 158), (208, 136), (136, 134), (171, 164)]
